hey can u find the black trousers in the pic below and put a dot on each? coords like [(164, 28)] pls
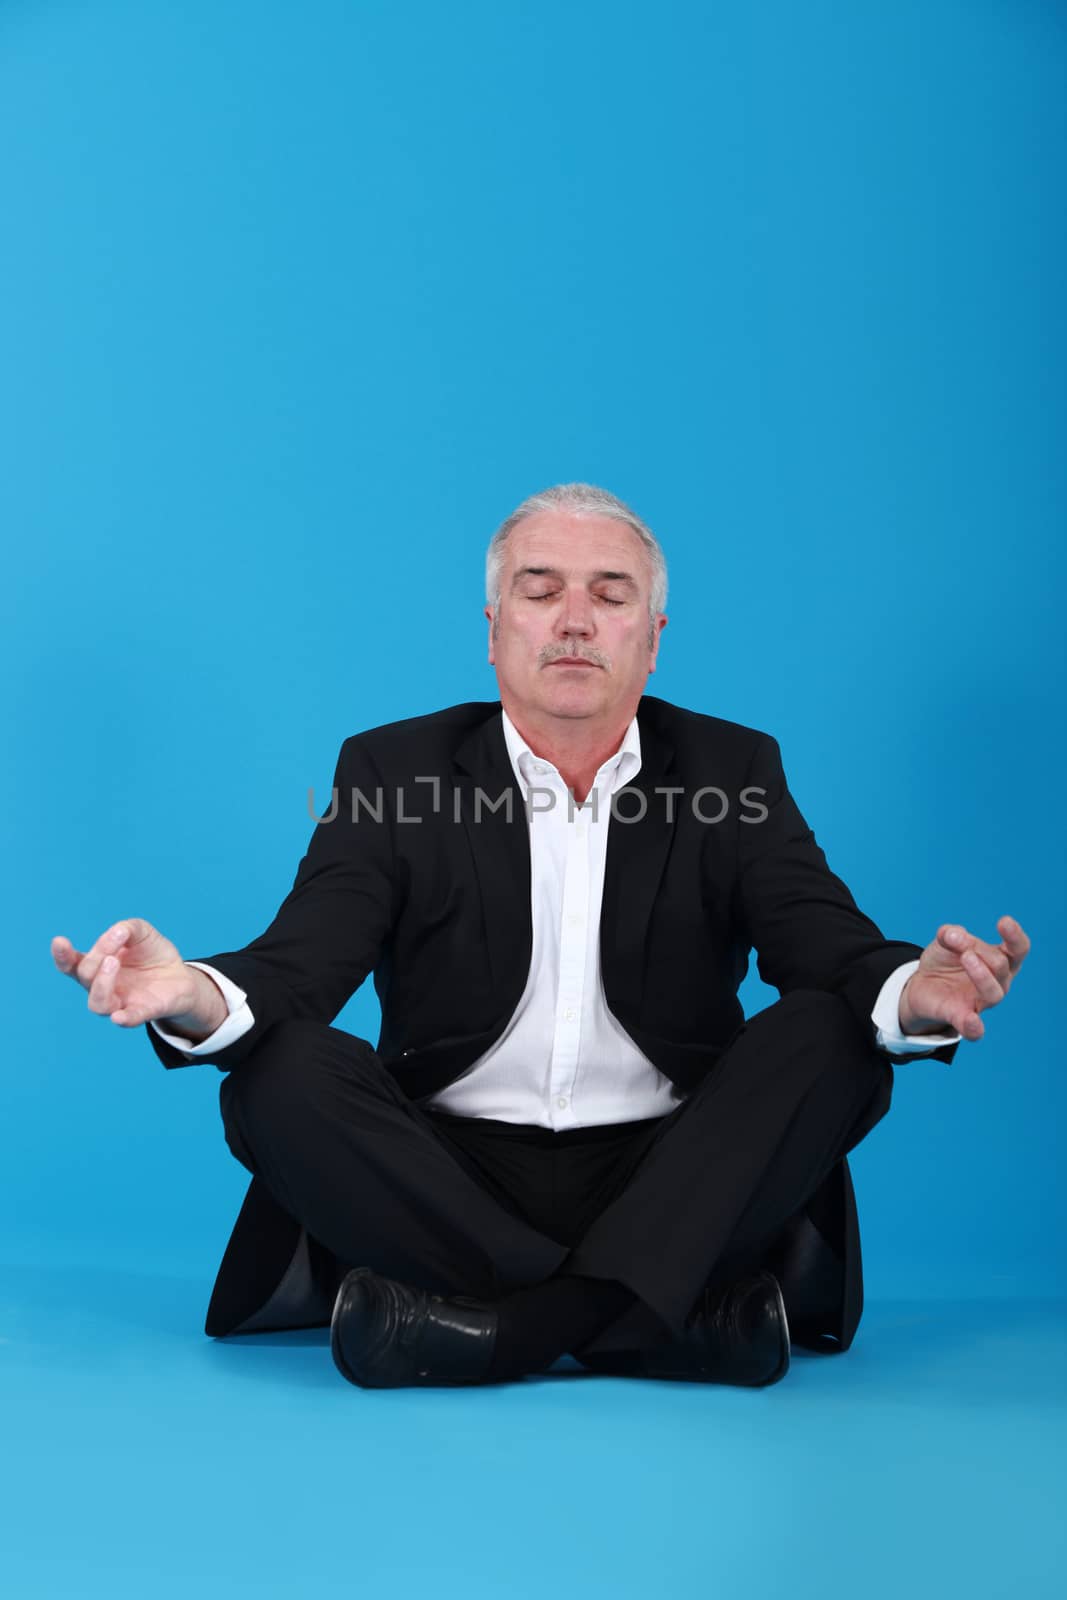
[(473, 1206)]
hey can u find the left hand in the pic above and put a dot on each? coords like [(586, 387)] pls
[(959, 976)]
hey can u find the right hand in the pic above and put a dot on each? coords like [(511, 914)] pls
[(134, 975)]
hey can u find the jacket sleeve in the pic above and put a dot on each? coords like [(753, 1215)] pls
[(334, 924), (805, 926)]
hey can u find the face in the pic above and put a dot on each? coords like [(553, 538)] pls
[(572, 638)]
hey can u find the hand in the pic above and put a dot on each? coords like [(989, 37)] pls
[(959, 976), (134, 975)]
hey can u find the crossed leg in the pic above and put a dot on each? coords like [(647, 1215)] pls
[(660, 1208)]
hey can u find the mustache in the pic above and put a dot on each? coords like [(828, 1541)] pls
[(555, 652)]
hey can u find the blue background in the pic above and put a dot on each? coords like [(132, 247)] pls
[(296, 302)]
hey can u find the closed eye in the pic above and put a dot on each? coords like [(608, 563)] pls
[(553, 594)]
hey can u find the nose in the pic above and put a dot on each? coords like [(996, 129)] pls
[(575, 619)]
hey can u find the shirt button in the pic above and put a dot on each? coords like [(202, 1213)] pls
[(561, 1102), (568, 1015), (574, 918)]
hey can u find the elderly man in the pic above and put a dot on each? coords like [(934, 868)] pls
[(569, 1139)]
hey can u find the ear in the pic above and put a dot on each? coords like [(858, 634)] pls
[(657, 629), (488, 612)]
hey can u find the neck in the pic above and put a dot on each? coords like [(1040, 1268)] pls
[(576, 746)]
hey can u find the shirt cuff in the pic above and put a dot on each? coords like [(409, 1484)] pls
[(238, 1020), (886, 1019)]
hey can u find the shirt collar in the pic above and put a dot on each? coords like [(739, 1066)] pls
[(617, 769)]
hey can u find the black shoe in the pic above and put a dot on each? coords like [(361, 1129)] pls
[(386, 1335), (737, 1336)]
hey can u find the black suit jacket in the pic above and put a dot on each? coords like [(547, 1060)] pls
[(419, 872)]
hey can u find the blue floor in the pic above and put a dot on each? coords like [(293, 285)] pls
[(140, 1458)]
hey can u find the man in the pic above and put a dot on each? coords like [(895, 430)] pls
[(568, 1139)]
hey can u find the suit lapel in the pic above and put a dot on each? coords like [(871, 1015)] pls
[(637, 856), (500, 847)]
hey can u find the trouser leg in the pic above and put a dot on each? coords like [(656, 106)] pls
[(316, 1116), (722, 1175)]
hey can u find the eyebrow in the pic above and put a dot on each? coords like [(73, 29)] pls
[(603, 576)]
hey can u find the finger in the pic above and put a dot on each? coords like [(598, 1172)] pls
[(996, 959), (133, 1014), (1016, 942), (987, 988), (80, 965), (102, 989), (969, 1026), (964, 1020), (112, 939), (109, 943), (956, 939), (65, 956), (129, 1017)]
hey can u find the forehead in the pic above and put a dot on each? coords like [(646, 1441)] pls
[(576, 545)]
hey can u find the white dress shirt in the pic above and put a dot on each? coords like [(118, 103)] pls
[(564, 1061)]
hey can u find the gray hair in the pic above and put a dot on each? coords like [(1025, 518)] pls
[(586, 500)]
